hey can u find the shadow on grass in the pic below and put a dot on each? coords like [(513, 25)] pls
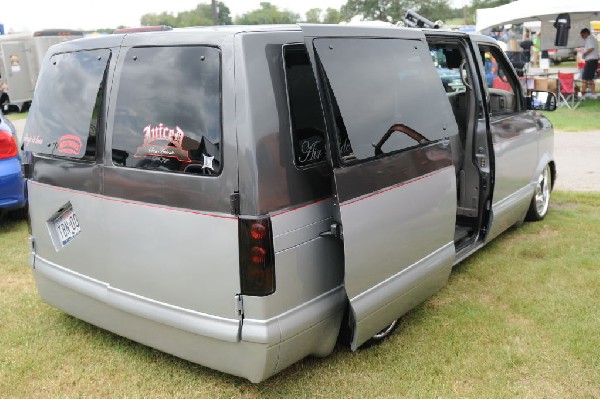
[(11, 220)]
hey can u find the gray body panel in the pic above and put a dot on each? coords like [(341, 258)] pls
[(397, 212), (264, 134), (166, 252), (157, 258)]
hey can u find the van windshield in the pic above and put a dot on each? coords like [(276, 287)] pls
[(63, 118), (168, 112)]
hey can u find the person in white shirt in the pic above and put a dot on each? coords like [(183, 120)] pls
[(590, 56)]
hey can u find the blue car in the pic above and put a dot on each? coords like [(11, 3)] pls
[(13, 190)]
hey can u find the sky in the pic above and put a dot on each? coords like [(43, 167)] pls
[(23, 15)]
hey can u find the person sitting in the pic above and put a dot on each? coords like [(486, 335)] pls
[(4, 99)]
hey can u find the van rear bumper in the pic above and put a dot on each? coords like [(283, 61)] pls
[(211, 341)]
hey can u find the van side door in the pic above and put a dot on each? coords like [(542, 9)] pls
[(388, 123), (515, 136)]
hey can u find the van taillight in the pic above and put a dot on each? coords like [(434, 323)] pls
[(8, 146), (257, 260)]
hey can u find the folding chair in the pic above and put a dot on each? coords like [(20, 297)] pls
[(567, 95)]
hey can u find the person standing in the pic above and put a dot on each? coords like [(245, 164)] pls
[(526, 45), (590, 56), (537, 45)]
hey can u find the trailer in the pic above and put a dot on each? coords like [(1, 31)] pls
[(21, 55)]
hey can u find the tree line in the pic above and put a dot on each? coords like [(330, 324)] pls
[(383, 10)]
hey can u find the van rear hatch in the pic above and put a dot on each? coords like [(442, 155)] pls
[(129, 192)]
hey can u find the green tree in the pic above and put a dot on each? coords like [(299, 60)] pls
[(268, 14), (436, 10), (394, 10), (313, 16), (200, 16), (163, 18), (332, 16)]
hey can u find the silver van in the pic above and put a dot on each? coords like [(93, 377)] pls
[(243, 196)]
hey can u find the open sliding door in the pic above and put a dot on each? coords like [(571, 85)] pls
[(388, 123)]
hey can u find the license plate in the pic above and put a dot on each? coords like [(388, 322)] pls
[(67, 226)]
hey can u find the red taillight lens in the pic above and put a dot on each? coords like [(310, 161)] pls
[(258, 231), (258, 254), (8, 146), (257, 271)]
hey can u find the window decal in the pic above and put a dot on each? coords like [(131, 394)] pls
[(311, 150), (33, 139), (163, 141), (69, 144)]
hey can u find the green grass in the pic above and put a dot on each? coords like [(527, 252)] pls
[(17, 115), (585, 118), (519, 319), (565, 64)]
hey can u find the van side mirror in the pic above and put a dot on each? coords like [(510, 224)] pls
[(541, 100)]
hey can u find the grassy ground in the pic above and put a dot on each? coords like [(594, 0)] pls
[(519, 319), (17, 115), (585, 118)]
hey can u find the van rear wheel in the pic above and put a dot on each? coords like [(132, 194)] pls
[(382, 335), (541, 197)]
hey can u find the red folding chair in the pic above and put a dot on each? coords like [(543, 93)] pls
[(498, 83), (567, 94)]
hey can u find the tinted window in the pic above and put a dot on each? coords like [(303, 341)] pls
[(448, 61), (65, 114), (308, 130), (388, 94), (168, 113), (499, 80)]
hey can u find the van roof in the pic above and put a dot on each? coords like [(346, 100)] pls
[(218, 34)]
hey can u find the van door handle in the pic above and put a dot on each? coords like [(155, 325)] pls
[(335, 231)]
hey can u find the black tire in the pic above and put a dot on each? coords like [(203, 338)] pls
[(540, 202)]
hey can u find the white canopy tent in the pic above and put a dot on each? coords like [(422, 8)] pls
[(581, 12)]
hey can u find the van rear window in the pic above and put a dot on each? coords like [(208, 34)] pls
[(168, 112), (65, 113)]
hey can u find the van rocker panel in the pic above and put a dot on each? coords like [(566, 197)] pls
[(415, 284)]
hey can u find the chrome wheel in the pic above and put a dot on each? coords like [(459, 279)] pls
[(542, 192), (386, 331), (541, 197)]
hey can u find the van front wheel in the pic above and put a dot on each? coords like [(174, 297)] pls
[(541, 198)]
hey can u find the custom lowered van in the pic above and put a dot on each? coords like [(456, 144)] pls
[(241, 196)]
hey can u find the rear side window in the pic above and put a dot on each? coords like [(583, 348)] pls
[(168, 112), (308, 130), (65, 115)]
